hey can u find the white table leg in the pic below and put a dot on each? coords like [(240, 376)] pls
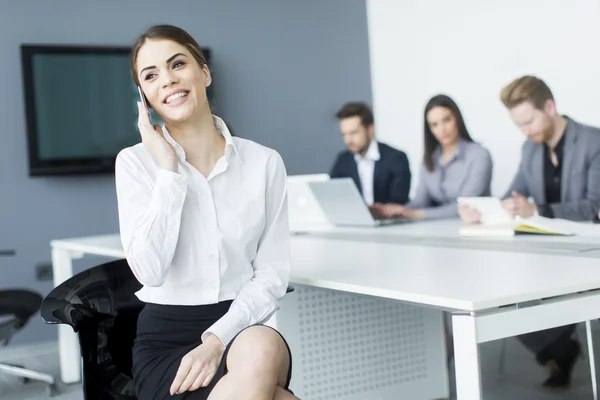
[(466, 358), (68, 343), (590, 342)]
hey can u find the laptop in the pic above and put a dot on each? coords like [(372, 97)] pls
[(343, 204), (304, 209)]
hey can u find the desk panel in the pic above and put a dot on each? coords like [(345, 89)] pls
[(352, 347)]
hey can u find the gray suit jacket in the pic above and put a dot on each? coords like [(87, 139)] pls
[(580, 182)]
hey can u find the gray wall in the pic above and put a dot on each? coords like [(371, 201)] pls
[(281, 69)]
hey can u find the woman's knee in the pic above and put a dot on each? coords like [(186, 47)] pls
[(258, 351)]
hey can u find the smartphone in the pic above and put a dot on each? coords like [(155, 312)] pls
[(144, 102), (143, 98)]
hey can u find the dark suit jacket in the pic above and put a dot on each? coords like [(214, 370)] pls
[(580, 182), (391, 180)]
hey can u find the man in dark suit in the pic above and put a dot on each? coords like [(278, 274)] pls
[(380, 172)]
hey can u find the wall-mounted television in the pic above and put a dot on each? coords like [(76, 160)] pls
[(80, 106)]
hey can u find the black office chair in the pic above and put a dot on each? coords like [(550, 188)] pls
[(16, 309), (101, 306)]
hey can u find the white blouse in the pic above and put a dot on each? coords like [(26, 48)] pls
[(366, 170), (190, 240)]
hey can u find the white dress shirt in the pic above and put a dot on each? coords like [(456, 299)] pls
[(366, 170), (192, 240)]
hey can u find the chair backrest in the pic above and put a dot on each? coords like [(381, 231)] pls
[(101, 306)]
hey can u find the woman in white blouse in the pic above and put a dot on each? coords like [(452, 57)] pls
[(204, 224)]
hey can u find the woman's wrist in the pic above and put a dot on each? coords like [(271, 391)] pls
[(169, 164), (213, 340), (416, 214)]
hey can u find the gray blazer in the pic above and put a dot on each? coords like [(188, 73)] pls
[(580, 180)]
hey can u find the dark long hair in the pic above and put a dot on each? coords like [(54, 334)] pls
[(431, 143)]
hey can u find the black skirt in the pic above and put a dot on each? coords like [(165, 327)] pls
[(165, 334)]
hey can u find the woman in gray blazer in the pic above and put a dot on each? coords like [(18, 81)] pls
[(453, 166)]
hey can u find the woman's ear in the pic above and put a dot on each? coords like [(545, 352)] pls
[(207, 75)]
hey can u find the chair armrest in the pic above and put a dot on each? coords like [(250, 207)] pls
[(59, 311)]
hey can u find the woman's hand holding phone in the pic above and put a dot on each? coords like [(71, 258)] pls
[(154, 139)]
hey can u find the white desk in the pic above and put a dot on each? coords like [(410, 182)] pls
[(446, 229), (478, 286), (444, 233)]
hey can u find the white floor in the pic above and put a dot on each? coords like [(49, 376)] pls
[(42, 357), (521, 378)]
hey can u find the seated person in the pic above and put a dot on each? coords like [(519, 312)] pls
[(560, 171), (453, 166), (380, 172), (210, 277)]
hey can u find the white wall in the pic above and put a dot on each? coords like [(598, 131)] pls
[(470, 49)]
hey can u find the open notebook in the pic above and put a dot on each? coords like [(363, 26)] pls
[(533, 226)]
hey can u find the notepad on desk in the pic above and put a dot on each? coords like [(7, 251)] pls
[(489, 208), (496, 221), (532, 226)]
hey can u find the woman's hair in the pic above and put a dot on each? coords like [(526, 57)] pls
[(168, 32), (431, 143)]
